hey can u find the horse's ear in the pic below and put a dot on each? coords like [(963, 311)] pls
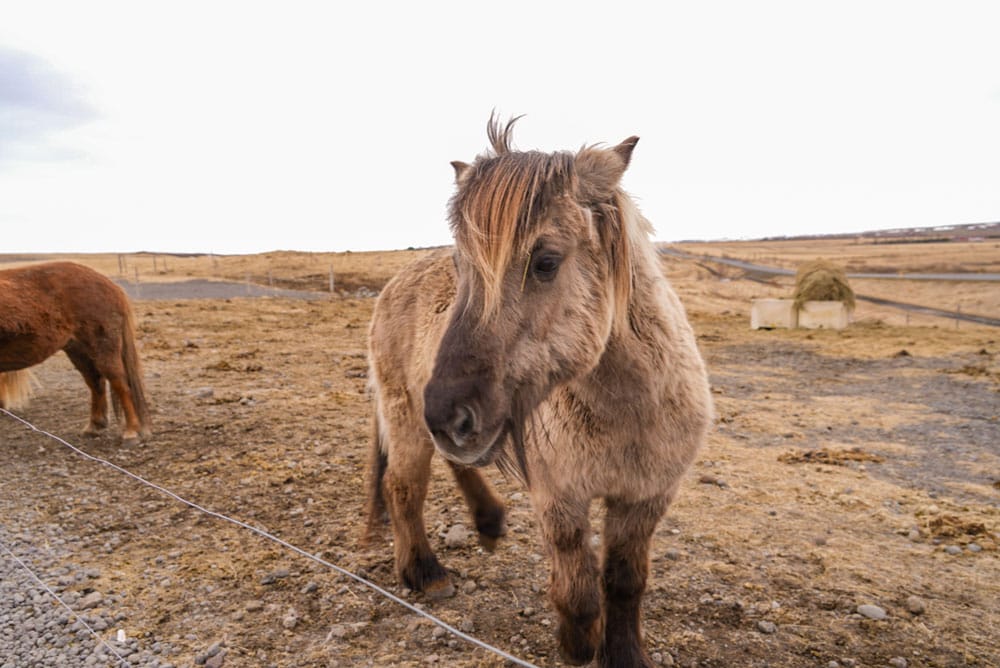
[(461, 169), (600, 170), (624, 150)]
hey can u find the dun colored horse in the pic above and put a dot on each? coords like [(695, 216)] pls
[(549, 341), (57, 306)]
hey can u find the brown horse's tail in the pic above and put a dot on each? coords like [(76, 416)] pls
[(16, 388), (377, 462), (133, 373)]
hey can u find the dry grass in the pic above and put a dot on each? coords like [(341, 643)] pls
[(859, 255), (822, 280)]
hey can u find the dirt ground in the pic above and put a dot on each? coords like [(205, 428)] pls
[(850, 468)]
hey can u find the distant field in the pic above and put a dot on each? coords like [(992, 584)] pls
[(705, 287), (862, 255)]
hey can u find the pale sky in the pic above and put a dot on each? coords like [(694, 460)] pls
[(241, 127)]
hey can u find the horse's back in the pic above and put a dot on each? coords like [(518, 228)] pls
[(410, 316), (45, 306)]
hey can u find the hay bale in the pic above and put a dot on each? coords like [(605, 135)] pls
[(821, 280)]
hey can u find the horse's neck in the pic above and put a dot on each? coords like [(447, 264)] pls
[(630, 373)]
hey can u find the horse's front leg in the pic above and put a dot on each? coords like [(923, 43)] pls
[(573, 586), (407, 477), (487, 510), (628, 528)]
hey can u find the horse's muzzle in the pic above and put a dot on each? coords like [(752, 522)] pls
[(457, 430)]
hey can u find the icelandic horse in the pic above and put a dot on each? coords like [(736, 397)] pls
[(548, 341), (53, 306)]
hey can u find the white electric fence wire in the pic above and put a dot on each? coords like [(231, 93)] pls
[(79, 618), (260, 532)]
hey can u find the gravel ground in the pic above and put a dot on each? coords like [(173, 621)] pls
[(37, 631)]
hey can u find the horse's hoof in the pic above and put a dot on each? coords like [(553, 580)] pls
[(578, 643), (439, 589), (488, 543), (130, 440)]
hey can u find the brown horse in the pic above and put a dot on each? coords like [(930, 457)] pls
[(55, 306), (548, 340)]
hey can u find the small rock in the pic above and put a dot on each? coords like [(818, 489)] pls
[(661, 659), (254, 606), (916, 605), (290, 620), (321, 450), (310, 588), (345, 631), (338, 631), (469, 586), (707, 479), (767, 627), (973, 547), (897, 662), (672, 554), (953, 549), (216, 661), (91, 600), (457, 536), (872, 612)]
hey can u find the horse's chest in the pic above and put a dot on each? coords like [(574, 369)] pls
[(615, 453)]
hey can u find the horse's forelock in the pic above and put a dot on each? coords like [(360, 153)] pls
[(500, 135), (495, 208)]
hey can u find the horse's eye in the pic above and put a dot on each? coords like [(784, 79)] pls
[(545, 267)]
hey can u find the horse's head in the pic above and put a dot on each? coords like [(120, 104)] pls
[(543, 276)]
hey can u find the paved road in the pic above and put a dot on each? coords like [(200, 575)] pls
[(202, 289)]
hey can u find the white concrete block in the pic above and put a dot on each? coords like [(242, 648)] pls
[(772, 314), (823, 315)]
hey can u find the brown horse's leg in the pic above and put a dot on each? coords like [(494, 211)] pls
[(487, 511), (628, 528), (119, 385), (109, 364), (406, 478), (573, 584), (98, 395)]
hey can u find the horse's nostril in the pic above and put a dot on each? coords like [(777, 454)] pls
[(464, 422)]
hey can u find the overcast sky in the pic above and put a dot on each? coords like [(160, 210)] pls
[(235, 127)]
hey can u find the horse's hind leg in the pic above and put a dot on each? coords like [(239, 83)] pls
[(407, 475), (628, 528), (487, 511), (98, 421), (109, 365)]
